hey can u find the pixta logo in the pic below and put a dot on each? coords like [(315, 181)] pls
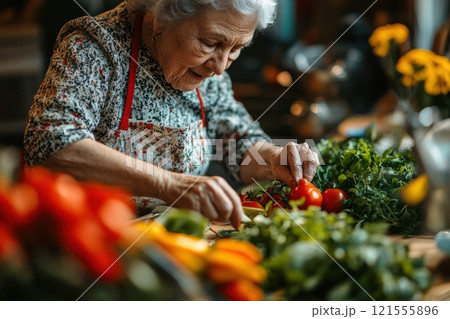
[(155, 151)]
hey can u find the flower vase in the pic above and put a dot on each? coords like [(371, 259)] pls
[(431, 137), (433, 146)]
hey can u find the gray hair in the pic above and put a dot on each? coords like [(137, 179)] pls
[(172, 11)]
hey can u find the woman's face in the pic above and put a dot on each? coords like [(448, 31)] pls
[(200, 47)]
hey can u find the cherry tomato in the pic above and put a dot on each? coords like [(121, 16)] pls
[(275, 205), (59, 194), (114, 215), (252, 208), (8, 242), (278, 205), (305, 189), (242, 290), (19, 205), (85, 238), (277, 201), (252, 204), (265, 198), (277, 198), (332, 198), (98, 194), (243, 197)]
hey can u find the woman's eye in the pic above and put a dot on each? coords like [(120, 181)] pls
[(234, 53), (209, 44)]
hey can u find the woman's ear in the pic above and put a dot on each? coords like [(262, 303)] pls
[(155, 25), (150, 22)]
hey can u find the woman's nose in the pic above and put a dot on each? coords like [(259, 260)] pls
[(219, 63)]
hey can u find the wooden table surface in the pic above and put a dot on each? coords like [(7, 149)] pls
[(436, 261)]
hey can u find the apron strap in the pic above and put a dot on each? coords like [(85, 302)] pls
[(132, 77), (132, 72), (202, 106)]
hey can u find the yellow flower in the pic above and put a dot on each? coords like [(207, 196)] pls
[(381, 37), (415, 66), (420, 65), (438, 79), (426, 73)]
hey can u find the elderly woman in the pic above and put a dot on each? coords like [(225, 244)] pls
[(133, 96)]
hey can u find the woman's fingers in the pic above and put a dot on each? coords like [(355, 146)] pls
[(214, 198), (216, 193), (310, 161), (237, 213), (310, 166), (207, 206), (293, 162), (280, 171)]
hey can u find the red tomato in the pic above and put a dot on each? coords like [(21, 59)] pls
[(85, 238), (98, 194), (40, 178), (252, 204), (67, 198), (278, 204), (242, 290), (8, 243), (277, 198), (332, 198), (305, 189), (114, 216), (59, 194), (252, 208), (265, 198), (19, 205), (243, 197)]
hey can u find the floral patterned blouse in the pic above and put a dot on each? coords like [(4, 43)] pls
[(84, 91)]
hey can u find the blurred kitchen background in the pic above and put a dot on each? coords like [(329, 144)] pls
[(331, 75)]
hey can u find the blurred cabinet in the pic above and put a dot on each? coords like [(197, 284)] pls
[(20, 75)]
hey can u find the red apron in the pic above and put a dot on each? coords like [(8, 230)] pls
[(178, 149)]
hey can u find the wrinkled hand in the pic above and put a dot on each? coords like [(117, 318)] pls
[(212, 196), (293, 162)]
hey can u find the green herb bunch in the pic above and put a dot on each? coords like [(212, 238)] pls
[(308, 251), (371, 180)]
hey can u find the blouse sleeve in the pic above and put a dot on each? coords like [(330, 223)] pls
[(235, 129), (67, 105)]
